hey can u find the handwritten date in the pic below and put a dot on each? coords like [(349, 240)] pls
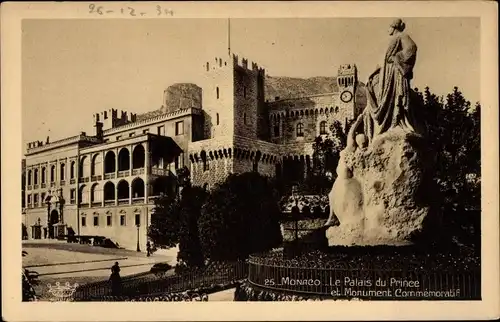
[(130, 11)]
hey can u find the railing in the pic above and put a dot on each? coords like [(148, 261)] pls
[(109, 202), (72, 201), (152, 198), (84, 204), (109, 176), (72, 181), (29, 187), (151, 284), (82, 180), (96, 203), (62, 182), (137, 171), (123, 201), (344, 282), (35, 186), (138, 200), (96, 178), (159, 172), (124, 173), (43, 185), (52, 184)]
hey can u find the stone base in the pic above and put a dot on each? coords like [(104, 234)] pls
[(382, 194)]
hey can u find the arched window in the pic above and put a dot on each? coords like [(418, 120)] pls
[(322, 127), (217, 92), (217, 118), (53, 173), (43, 175), (63, 171), (300, 130), (72, 170), (245, 118), (35, 177), (29, 177)]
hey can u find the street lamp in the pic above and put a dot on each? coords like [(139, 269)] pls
[(138, 246)]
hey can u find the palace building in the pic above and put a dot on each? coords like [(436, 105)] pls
[(105, 183)]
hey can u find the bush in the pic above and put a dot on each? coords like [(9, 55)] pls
[(241, 216)]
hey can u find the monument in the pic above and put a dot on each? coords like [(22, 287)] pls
[(381, 194)]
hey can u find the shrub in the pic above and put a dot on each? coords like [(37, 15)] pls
[(241, 216)]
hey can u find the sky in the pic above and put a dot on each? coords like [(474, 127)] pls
[(76, 67)]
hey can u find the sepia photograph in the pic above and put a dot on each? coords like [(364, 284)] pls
[(250, 158)]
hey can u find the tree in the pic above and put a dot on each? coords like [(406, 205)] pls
[(240, 217), (190, 252), (165, 223)]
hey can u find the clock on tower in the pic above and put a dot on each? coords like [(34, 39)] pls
[(347, 80)]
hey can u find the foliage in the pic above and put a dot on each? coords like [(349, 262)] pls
[(454, 133), (325, 159), (190, 253), (241, 216), (165, 222)]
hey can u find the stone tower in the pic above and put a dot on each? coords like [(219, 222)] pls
[(233, 99), (347, 81)]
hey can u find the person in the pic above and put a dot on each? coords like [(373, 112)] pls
[(388, 87), (115, 279), (148, 248)]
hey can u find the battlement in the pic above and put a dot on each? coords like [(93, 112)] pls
[(347, 69), (219, 64), (113, 118), (39, 146), (244, 64)]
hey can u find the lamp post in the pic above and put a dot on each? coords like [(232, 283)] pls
[(138, 245)]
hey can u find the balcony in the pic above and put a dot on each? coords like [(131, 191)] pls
[(35, 186), (84, 205), (96, 203), (160, 172), (123, 201), (138, 171), (52, 184), (82, 180), (151, 199), (123, 174), (62, 183), (96, 178), (72, 181), (108, 203), (138, 200), (43, 185), (108, 176), (30, 187)]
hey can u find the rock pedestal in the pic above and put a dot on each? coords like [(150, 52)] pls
[(381, 195)]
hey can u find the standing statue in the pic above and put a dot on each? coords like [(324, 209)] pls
[(388, 88), (382, 193)]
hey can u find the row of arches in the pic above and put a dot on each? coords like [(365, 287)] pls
[(276, 116), (90, 166), (236, 153), (110, 191)]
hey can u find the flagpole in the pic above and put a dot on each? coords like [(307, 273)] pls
[(229, 36)]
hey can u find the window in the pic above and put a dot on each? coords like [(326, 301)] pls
[(42, 197), (217, 118), (244, 91), (322, 127), (245, 118), (217, 92), (131, 134), (96, 220), (122, 220), (29, 200), (179, 128), (84, 221), (35, 199), (108, 220), (43, 175), (72, 195), (118, 138), (161, 130), (72, 170), (146, 131), (63, 171), (300, 130), (276, 130), (53, 173), (137, 219), (29, 178)]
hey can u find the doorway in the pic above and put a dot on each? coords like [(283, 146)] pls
[(54, 219)]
